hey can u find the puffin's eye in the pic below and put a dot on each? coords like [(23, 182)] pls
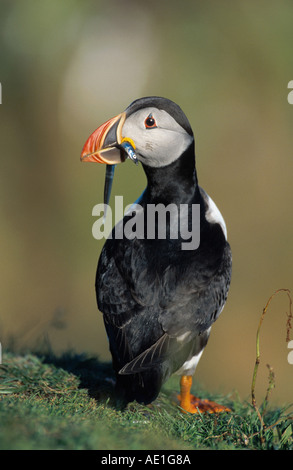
[(150, 122)]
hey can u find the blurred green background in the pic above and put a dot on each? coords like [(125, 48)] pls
[(68, 66)]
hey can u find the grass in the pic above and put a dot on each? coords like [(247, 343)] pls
[(67, 403)]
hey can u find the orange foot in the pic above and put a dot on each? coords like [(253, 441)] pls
[(191, 404), (196, 405)]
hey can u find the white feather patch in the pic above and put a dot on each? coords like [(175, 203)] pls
[(189, 366), (213, 214)]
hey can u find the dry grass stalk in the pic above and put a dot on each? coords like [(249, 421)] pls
[(257, 360)]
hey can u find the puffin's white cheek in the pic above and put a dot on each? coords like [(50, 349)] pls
[(162, 148)]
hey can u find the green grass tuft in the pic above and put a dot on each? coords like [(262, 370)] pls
[(67, 403)]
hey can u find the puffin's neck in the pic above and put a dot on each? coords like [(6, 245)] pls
[(174, 183)]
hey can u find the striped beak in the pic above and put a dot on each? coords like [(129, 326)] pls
[(104, 144)]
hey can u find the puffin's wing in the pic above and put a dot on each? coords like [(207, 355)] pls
[(186, 314)]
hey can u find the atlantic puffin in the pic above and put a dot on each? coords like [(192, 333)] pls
[(158, 300)]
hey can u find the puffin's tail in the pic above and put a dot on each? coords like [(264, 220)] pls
[(142, 387)]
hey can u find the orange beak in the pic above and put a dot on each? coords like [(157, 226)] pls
[(103, 144)]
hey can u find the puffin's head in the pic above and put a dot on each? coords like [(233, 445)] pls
[(152, 130)]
